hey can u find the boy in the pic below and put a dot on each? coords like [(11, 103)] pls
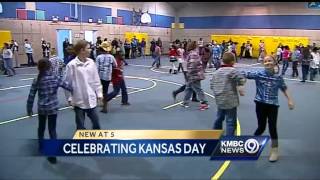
[(268, 83), (225, 83)]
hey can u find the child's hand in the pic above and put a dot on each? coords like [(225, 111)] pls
[(241, 90), (100, 101), (291, 105)]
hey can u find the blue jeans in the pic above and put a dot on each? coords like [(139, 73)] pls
[(313, 72), (305, 71), (116, 90), (156, 61), (231, 120), (30, 59), (285, 66), (80, 117), (8, 66)]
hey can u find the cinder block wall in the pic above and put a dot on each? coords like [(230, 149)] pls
[(239, 9), (35, 30)]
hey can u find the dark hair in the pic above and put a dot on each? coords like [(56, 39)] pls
[(306, 53), (43, 66), (81, 44), (6, 45), (192, 45), (315, 49)]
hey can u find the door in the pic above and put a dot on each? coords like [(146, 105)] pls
[(62, 34), (90, 36)]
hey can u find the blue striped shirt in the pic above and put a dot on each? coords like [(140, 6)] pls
[(267, 86), (47, 88)]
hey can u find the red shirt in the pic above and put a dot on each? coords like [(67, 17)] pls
[(117, 73), (173, 52)]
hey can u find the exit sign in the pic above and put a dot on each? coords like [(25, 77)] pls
[(314, 5)]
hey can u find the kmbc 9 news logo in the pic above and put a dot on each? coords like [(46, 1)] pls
[(239, 148)]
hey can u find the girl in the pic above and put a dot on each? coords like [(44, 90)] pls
[(118, 81), (47, 85), (82, 74), (180, 53), (173, 59), (286, 54), (268, 84), (7, 59), (195, 75)]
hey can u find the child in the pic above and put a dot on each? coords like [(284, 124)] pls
[(296, 55), (157, 55), (47, 85), (118, 81), (224, 83), (305, 62), (180, 57), (262, 54), (314, 63), (216, 50), (285, 59), (195, 75), (57, 64), (83, 75), (173, 59), (267, 101), (105, 63), (7, 59)]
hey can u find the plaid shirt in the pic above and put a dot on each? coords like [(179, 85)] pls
[(57, 65), (105, 63), (267, 86), (224, 84), (47, 89)]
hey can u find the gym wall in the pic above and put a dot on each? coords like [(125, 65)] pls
[(29, 25), (249, 18)]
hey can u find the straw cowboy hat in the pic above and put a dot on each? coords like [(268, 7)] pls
[(106, 46)]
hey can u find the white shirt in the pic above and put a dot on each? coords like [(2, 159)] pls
[(85, 81), (7, 53), (315, 60), (279, 50), (200, 43), (28, 48)]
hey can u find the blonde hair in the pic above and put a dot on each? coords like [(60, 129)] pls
[(228, 58)]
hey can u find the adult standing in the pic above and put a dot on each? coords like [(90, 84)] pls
[(14, 46), (66, 44), (29, 52)]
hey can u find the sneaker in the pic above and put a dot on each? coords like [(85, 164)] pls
[(174, 96), (52, 160), (125, 104), (204, 107), (195, 100), (185, 105), (274, 155)]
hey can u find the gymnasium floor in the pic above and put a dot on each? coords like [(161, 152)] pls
[(150, 98)]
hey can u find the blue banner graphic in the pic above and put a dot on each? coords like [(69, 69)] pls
[(226, 148)]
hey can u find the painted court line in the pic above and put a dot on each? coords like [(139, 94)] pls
[(225, 164), (14, 87), (68, 107), (218, 173)]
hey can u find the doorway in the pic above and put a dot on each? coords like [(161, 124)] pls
[(62, 34)]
